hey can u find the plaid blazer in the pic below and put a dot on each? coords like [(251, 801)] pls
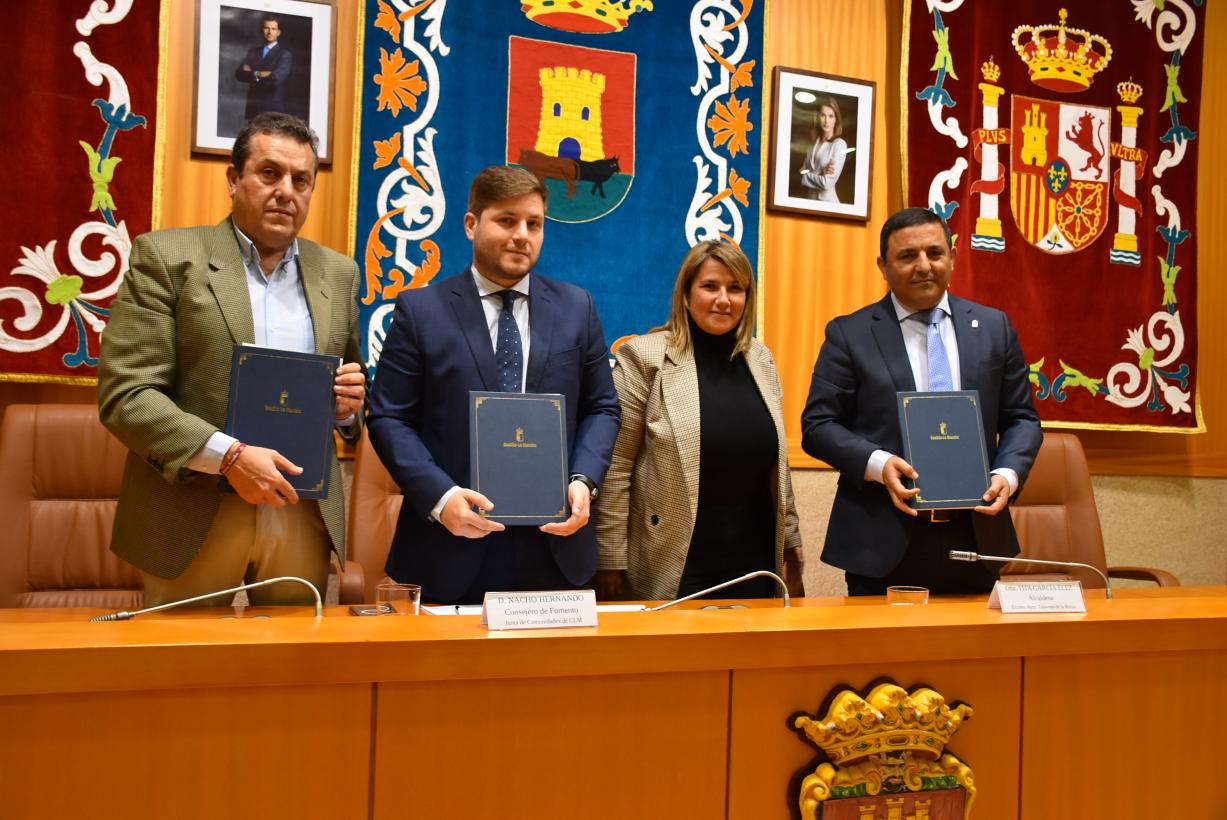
[(646, 509), (164, 380)]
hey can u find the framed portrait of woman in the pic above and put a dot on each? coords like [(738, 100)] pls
[(821, 144), (262, 55)]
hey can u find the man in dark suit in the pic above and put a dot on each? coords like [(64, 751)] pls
[(443, 342), (917, 337), (266, 69)]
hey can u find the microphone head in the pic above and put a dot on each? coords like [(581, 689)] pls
[(113, 616), (963, 555)]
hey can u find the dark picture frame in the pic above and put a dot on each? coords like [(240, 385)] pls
[(300, 79), (803, 103)]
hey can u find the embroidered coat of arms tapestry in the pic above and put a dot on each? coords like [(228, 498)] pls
[(642, 118), (1060, 143)]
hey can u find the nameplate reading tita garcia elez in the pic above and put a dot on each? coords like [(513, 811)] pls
[(539, 610), (1037, 596)]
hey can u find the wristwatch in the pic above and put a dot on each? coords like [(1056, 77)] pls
[(587, 482)]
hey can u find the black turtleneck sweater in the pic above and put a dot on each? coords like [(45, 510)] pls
[(734, 530)]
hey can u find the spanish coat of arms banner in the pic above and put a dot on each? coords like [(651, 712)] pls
[(81, 93), (642, 118), (1059, 140)]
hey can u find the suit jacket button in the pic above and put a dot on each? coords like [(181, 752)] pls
[(655, 520)]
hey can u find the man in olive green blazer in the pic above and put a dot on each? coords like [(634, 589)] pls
[(164, 375)]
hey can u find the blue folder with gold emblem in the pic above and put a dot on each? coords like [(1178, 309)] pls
[(518, 455), (283, 400), (943, 438)]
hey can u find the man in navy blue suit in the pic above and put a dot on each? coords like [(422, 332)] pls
[(917, 337), (266, 69), (442, 343)]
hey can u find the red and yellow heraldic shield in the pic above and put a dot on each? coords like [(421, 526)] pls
[(1059, 172)]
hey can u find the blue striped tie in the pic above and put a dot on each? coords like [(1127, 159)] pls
[(939, 363), (508, 353)]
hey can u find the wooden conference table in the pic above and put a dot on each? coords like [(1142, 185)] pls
[(1118, 713)]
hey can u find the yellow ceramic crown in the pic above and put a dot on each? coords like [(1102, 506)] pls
[(888, 720)]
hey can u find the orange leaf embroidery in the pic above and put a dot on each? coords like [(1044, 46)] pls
[(740, 187), (388, 21), (386, 151), (742, 77), (398, 81), (731, 124)]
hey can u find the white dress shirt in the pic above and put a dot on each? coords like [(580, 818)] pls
[(280, 318), (916, 341), (492, 306)]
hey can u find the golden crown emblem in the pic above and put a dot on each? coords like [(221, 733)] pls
[(1129, 91), (584, 16), (1061, 58), (888, 720), (990, 70)]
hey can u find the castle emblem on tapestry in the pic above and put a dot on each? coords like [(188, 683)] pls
[(639, 116), (571, 122), (1062, 151)]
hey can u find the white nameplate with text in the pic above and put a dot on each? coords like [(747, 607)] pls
[(1037, 596), (539, 610)]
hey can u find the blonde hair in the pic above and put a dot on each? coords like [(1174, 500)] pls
[(729, 255)]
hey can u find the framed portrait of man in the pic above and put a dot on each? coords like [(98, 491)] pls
[(822, 144), (262, 55)]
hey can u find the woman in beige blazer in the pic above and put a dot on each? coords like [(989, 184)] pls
[(698, 490)]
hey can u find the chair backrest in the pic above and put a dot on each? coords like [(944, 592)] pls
[(374, 505), (58, 489), (1055, 515)]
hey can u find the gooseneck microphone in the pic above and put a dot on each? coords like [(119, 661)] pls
[(762, 573), (126, 616), (963, 555)]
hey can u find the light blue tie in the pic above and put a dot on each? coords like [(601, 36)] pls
[(939, 362), (508, 353)]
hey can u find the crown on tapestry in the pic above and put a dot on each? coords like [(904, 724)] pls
[(1129, 91), (584, 16), (990, 70), (1061, 58)]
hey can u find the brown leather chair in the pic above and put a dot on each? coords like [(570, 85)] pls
[(374, 504), (1056, 518), (58, 489)]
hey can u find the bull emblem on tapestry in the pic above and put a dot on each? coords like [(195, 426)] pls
[(571, 123)]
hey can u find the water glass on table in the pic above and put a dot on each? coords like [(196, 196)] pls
[(398, 599)]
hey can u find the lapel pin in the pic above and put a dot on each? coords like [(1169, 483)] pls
[(975, 322)]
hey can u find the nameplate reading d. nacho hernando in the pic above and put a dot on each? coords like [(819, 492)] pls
[(539, 610), (518, 455)]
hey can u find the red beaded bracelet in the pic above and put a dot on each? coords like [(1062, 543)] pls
[(232, 457)]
